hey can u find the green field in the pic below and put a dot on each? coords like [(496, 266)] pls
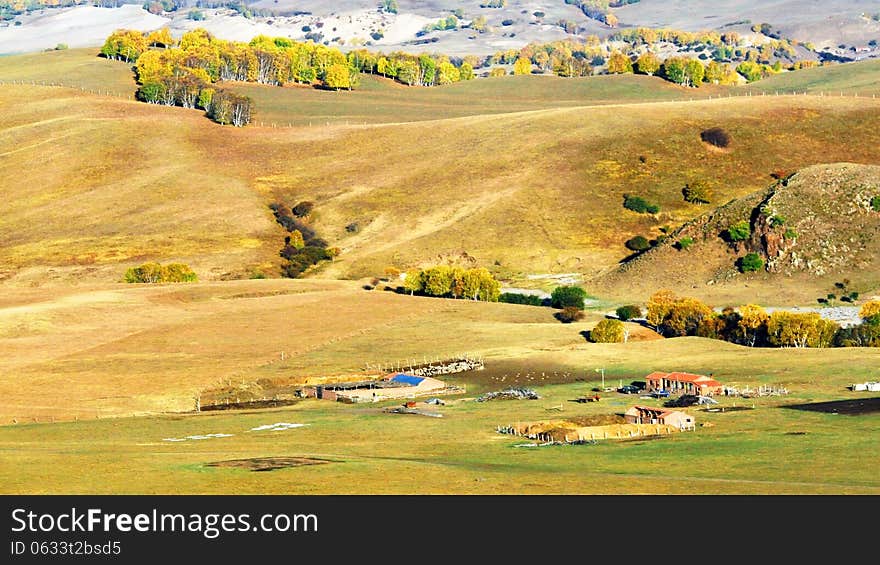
[(373, 452), (862, 78)]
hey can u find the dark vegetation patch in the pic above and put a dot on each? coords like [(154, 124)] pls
[(302, 246), (527, 299), (639, 204), (716, 136), (855, 407), (260, 464)]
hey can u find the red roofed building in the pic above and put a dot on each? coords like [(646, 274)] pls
[(684, 383), (650, 415)]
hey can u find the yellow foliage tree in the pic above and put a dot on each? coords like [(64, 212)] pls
[(870, 309), (608, 331), (618, 63), (753, 319), (648, 63), (522, 66), (659, 306), (160, 38)]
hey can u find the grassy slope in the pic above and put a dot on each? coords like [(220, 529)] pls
[(861, 78), (120, 349), (97, 183), (838, 237), (533, 191), (380, 100), (76, 68)]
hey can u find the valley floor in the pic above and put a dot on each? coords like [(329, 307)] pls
[(65, 359)]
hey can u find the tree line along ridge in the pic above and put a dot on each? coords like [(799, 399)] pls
[(187, 72)]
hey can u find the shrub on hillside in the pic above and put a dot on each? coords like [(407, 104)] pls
[(303, 209), (739, 231), (638, 243), (697, 192), (629, 312), (563, 296), (608, 331), (516, 298), (716, 136), (875, 203), (639, 204), (156, 273), (570, 314), (750, 263), (683, 243)]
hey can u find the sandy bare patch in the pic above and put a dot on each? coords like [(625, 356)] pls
[(81, 26)]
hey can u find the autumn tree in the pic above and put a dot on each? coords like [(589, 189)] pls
[(338, 77), (752, 324), (674, 69), (155, 273), (608, 330), (648, 63), (124, 45), (295, 239), (522, 66), (447, 73), (563, 296), (684, 317), (618, 63), (230, 108), (160, 38), (659, 305), (466, 71), (796, 329), (694, 71), (870, 310), (413, 282)]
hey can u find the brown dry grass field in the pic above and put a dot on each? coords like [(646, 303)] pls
[(92, 355), (522, 192), (99, 351), (96, 374)]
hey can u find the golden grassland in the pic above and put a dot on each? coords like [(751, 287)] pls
[(90, 354), (94, 374), (373, 452), (113, 350), (522, 192)]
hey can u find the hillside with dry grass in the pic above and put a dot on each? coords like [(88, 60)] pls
[(101, 183), (811, 229)]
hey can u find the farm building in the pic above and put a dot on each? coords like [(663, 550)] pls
[(685, 383), (396, 385), (649, 415)]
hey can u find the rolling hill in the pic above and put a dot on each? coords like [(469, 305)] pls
[(521, 191), (812, 229)]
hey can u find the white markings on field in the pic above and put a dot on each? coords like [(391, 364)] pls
[(278, 427)]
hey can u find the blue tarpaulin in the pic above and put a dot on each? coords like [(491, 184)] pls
[(407, 379)]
